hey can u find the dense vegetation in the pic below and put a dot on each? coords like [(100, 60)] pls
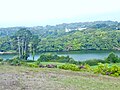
[(105, 67), (100, 35), (92, 39)]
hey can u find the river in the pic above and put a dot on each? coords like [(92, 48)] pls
[(76, 55)]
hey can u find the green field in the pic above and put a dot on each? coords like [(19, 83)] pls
[(55, 63), (26, 78), (46, 63)]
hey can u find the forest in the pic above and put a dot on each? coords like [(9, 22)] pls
[(98, 35)]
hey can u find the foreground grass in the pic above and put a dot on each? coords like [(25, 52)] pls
[(25, 78)]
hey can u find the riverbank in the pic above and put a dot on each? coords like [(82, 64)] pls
[(7, 53), (76, 55), (25, 78)]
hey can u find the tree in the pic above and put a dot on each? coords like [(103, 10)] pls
[(112, 58), (33, 45), (23, 38)]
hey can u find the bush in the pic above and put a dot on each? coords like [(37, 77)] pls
[(32, 65), (101, 68), (24, 63), (93, 62), (85, 67), (112, 58), (16, 57), (115, 70), (14, 62), (51, 66), (72, 61), (104, 69), (72, 67), (48, 66), (37, 62), (1, 59), (41, 66), (55, 58), (65, 59), (46, 57)]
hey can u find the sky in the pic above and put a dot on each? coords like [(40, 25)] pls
[(51, 12)]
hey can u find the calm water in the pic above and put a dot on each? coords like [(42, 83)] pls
[(76, 55)]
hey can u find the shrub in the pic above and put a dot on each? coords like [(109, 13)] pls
[(104, 69), (1, 59), (16, 57), (72, 61), (14, 62), (55, 58), (24, 63), (115, 70), (72, 67), (46, 57), (41, 66), (37, 62), (51, 66), (112, 58), (32, 65), (85, 67), (48, 66), (65, 59), (93, 62)]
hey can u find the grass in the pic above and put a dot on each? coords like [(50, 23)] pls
[(118, 64), (55, 63), (46, 63), (26, 78)]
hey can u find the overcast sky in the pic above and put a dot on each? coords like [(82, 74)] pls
[(51, 12)]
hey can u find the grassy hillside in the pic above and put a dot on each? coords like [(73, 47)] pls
[(24, 78)]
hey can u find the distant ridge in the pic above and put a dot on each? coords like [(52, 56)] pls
[(40, 29)]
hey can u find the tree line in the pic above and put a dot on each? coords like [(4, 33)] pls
[(99, 36)]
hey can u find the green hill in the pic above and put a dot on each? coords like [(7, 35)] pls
[(98, 35)]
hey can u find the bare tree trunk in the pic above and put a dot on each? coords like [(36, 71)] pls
[(19, 47), (33, 53), (22, 48), (25, 50)]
